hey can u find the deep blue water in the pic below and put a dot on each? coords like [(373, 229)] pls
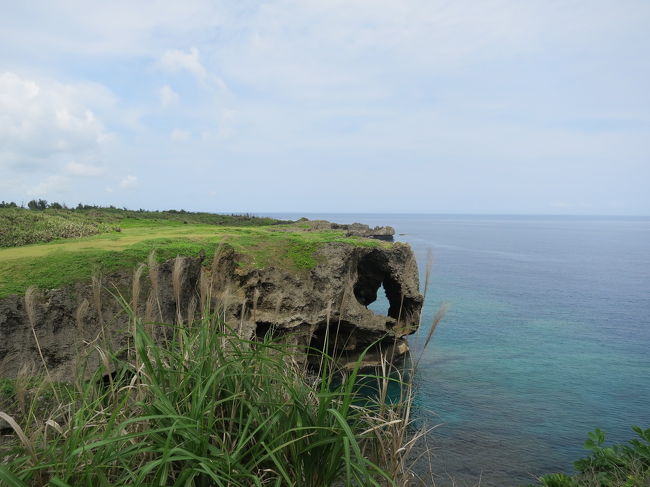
[(546, 338)]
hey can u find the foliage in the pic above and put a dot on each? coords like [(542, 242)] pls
[(626, 465), (44, 222), (22, 227), (7, 387), (195, 405), (39, 205)]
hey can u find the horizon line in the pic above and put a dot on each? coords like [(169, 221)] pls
[(449, 214)]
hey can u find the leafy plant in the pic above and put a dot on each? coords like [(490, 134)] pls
[(624, 465)]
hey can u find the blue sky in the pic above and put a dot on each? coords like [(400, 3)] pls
[(493, 106)]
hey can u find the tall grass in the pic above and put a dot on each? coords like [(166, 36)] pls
[(209, 408)]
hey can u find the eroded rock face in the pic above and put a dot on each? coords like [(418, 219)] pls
[(326, 306), (69, 323), (355, 229)]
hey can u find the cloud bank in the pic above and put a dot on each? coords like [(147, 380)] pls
[(498, 106)]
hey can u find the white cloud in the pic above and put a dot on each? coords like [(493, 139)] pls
[(129, 182), (40, 120), (168, 96), (174, 60), (52, 186), (78, 169), (470, 84), (180, 135)]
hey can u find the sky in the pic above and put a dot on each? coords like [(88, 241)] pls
[(387, 106)]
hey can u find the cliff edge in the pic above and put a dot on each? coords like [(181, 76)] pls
[(325, 306)]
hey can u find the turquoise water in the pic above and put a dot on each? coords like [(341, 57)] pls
[(546, 338)]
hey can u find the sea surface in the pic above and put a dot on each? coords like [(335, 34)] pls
[(547, 337)]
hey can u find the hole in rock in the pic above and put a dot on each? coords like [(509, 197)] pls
[(380, 305), (372, 275)]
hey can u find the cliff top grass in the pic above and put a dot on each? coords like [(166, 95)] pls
[(120, 239), (20, 226)]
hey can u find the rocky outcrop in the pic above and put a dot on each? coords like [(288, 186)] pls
[(325, 307), (354, 229)]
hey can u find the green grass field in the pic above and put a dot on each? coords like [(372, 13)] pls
[(260, 243), (19, 226)]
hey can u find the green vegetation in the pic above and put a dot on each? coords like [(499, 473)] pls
[(259, 242), (45, 222), (204, 407), (191, 403), (22, 227), (608, 466)]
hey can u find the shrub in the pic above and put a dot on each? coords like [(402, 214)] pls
[(22, 227), (626, 465)]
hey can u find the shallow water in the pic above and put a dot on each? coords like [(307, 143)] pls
[(546, 338)]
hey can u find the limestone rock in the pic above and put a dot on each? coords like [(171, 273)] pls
[(354, 229)]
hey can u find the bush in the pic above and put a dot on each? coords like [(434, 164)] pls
[(39, 205), (609, 466), (22, 227)]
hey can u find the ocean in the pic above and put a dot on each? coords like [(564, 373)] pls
[(546, 338)]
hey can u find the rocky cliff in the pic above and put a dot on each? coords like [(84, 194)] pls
[(354, 229), (330, 300)]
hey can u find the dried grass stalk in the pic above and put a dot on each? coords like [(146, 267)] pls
[(30, 307), (82, 309), (191, 310), (21, 384), (135, 288), (205, 291), (150, 307), (21, 435), (178, 278), (97, 298)]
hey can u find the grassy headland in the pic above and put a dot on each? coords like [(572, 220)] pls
[(108, 239), (188, 403)]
